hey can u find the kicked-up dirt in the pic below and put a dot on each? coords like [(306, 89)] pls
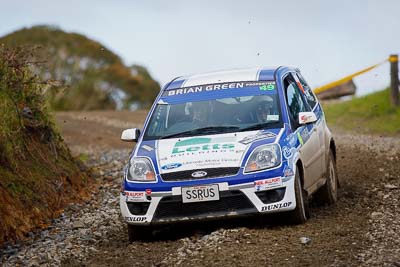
[(362, 229)]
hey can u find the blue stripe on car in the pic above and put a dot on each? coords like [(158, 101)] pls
[(161, 186)]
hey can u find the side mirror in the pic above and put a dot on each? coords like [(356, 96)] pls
[(130, 135), (307, 117)]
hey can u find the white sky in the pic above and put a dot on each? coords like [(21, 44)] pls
[(325, 39)]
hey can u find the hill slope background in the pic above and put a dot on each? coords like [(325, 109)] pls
[(90, 75)]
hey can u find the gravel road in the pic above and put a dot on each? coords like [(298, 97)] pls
[(363, 229)]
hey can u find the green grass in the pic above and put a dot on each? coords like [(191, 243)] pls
[(371, 114)]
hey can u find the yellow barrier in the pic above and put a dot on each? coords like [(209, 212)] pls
[(345, 79)]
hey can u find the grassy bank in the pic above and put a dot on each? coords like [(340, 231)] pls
[(38, 176), (372, 114)]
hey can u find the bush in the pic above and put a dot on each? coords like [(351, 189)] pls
[(38, 176)]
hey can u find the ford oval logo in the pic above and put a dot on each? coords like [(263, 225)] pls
[(171, 166), (199, 174)]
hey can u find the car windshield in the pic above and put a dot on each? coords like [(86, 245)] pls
[(224, 115)]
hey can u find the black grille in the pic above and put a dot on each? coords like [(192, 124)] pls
[(211, 173), (171, 207)]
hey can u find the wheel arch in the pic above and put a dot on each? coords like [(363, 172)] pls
[(299, 165), (332, 147)]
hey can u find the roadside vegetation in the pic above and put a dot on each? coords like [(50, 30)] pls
[(38, 176), (371, 114)]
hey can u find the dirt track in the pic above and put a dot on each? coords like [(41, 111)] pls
[(362, 229)]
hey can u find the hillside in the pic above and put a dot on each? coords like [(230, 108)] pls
[(91, 76), (38, 176), (372, 113)]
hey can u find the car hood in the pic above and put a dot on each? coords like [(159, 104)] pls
[(208, 151)]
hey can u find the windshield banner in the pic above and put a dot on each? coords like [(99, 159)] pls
[(198, 89)]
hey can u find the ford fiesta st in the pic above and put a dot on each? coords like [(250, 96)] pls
[(229, 143)]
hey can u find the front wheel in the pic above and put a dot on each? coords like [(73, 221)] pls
[(301, 213)]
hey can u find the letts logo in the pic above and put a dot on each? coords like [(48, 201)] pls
[(203, 144)]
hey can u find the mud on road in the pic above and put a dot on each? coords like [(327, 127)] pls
[(363, 229)]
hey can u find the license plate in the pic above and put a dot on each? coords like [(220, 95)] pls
[(200, 193)]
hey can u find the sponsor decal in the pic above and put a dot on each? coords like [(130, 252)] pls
[(204, 88), (291, 139), (300, 138), (263, 85), (267, 87), (273, 117), (287, 153), (256, 137), (148, 192), (134, 196), (276, 206), (259, 83), (266, 184), (200, 152), (203, 144), (199, 174), (304, 118), (210, 162), (303, 135), (162, 102), (288, 171), (148, 148), (136, 219), (171, 166)]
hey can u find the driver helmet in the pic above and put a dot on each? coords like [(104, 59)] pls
[(263, 110), (200, 112)]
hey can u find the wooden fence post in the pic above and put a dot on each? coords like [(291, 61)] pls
[(394, 80)]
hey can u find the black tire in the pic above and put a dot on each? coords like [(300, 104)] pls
[(327, 194), (136, 233), (301, 213)]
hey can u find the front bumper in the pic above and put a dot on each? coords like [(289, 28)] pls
[(236, 200)]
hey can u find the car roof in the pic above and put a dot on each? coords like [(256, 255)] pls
[(223, 76)]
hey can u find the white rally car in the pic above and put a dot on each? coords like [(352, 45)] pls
[(226, 144)]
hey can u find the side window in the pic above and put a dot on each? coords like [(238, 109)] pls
[(295, 101), (158, 121), (309, 95)]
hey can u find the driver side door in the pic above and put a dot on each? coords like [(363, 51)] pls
[(306, 134)]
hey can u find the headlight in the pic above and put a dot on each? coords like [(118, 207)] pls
[(140, 169), (264, 157)]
